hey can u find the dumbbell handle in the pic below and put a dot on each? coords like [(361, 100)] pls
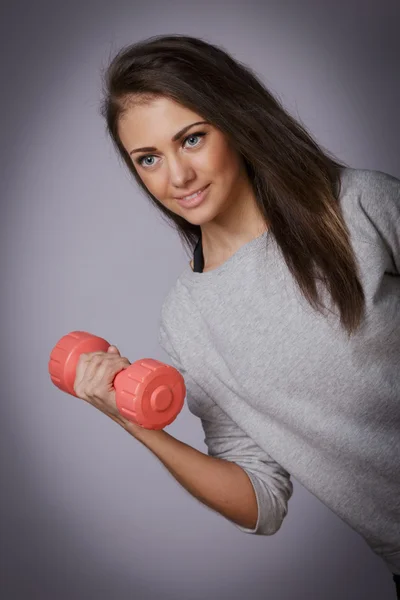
[(148, 392)]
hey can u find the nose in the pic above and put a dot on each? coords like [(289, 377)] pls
[(180, 172)]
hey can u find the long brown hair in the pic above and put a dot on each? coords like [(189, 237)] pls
[(296, 182)]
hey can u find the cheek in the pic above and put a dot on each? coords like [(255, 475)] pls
[(156, 184), (222, 161)]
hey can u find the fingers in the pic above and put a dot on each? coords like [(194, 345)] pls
[(95, 373), (101, 370), (113, 350)]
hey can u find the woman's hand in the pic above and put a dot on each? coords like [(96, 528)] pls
[(95, 373)]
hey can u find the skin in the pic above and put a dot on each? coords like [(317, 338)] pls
[(95, 373), (229, 216)]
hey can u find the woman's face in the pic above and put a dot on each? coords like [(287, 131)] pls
[(174, 168)]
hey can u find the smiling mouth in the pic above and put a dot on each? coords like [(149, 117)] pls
[(196, 199), (194, 195)]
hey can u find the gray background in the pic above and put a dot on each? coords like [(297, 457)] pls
[(86, 511)]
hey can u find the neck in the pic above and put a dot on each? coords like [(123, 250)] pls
[(223, 236)]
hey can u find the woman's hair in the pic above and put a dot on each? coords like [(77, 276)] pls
[(296, 183)]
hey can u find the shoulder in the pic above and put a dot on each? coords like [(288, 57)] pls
[(370, 203), (374, 189), (168, 304), (176, 305), (373, 198)]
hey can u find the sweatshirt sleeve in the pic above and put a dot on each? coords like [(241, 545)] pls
[(226, 440)]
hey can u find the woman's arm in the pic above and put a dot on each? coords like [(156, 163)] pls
[(237, 478), (221, 485)]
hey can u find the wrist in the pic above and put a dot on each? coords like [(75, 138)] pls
[(134, 429), (143, 435)]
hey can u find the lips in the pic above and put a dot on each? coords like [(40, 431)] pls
[(196, 200), (191, 193)]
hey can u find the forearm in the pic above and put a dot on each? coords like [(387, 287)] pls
[(219, 484)]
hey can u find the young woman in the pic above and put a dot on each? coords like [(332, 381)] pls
[(286, 324)]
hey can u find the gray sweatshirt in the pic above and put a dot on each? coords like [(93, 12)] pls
[(281, 390)]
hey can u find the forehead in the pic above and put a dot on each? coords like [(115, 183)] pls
[(146, 123)]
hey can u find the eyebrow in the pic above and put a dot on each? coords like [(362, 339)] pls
[(173, 139)]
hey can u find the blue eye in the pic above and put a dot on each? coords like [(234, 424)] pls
[(140, 161), (198, 134), (194, 135)]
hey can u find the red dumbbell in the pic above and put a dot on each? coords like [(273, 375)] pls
[(148, 392)]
